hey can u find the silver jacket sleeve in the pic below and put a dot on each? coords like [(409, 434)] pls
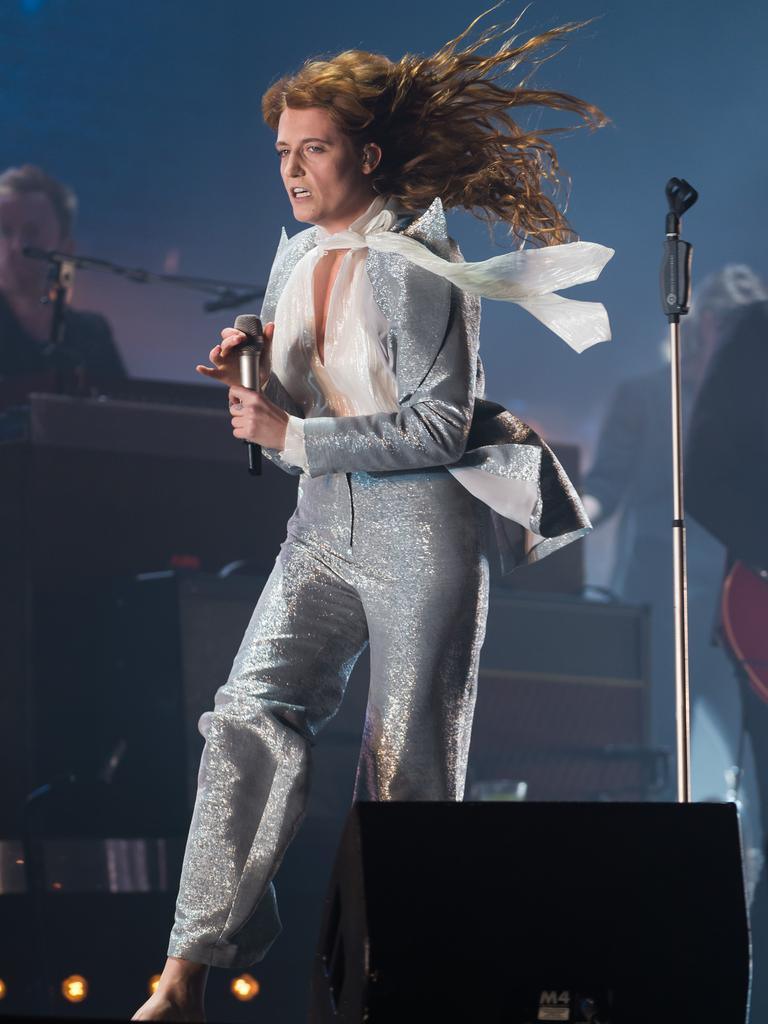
[(276, 393)]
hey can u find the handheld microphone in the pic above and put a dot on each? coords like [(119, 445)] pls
[(250, 352)]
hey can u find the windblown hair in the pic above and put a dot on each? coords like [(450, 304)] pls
[(445, 125)]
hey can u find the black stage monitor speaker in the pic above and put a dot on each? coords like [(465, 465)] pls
[(519, 913)]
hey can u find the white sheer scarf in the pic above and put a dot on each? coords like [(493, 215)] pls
[(529, 277)]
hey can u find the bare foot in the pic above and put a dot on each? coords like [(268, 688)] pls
[(179, 995), (162, 1007)]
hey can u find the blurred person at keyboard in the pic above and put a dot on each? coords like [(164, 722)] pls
[(38, 211)]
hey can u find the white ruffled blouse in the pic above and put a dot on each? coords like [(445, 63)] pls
[(355, 377)]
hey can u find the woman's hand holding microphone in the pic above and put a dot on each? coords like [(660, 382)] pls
[(254, 417)]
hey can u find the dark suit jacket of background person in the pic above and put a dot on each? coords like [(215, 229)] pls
[(726, 470), (87, 342)]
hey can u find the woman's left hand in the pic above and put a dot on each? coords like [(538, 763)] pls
[(256, 419)]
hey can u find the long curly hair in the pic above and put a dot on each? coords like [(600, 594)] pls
[(445, 125)]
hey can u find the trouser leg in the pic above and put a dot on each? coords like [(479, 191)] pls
[(427, 618), (424, 665), (287, 680)]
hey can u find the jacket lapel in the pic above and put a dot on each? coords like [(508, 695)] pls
[(416, 302), (289, 252)]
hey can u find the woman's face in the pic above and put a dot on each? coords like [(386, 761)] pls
[(326, 177)]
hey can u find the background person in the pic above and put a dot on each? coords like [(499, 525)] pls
[(726, 490), (38, 211)]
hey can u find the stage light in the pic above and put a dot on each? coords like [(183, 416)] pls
[(154, 981), (244, 987), (74, 988), (3, 989)]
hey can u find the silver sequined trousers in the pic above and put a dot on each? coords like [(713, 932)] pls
[(397, 560)]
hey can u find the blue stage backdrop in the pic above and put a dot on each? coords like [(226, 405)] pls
[(151, 112)]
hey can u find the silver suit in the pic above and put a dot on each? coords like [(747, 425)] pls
[(386, 547)]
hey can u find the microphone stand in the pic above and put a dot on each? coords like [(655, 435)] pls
[(228, 293), (675, 300), (61, 277)]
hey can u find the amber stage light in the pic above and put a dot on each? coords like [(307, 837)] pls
[(244, 987), (74, 988)]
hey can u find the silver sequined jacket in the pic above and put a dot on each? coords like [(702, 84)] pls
[(444, 418)]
